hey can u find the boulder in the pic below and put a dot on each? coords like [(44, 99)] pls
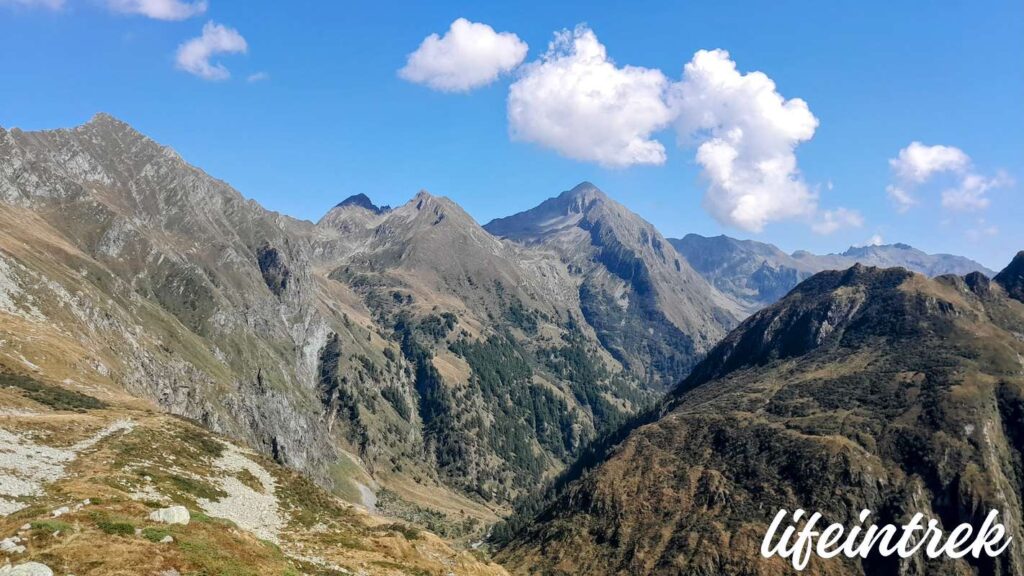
[(26, 569), (172, 515)]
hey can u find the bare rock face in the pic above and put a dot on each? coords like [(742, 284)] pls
[(862, 389), (410, 337), (653, 312)]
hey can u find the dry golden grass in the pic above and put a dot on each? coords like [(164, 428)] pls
[(113, 536)]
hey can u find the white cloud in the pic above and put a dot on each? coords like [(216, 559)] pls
[(899, 195), (969, 196), (746, 135), (160, 9), (917, 162), (258, 77), (194, 55), (875, 240), (49, 4), (576, 101), (834, 220), (468, 56)]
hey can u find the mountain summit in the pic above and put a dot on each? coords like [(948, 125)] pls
[(647, 305), (549, 217), (362, 201)]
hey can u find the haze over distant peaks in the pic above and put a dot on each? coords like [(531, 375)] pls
[(756, 273)]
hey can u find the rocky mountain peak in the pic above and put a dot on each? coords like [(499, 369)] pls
[(583, 196), (553, 215), (105, 125), (103, 119), (1012, 277), (362, 201), (422, 198)]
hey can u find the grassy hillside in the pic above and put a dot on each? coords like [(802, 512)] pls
[(79, 478)]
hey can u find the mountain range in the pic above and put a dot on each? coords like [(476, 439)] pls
[(413, 362), (756, 274), (410, 343)]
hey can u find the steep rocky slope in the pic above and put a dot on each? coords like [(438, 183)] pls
[(85, 482), (757, 274), (405, 352), (647, 305), (862, 389), (511, 379)]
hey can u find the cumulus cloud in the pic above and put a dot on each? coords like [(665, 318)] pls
[(918, 163), (159, 9), (830, 221), (194, 55), (257, 77), (746, 135), (49, 4), (576, 101), (468, 56), (875, 240)]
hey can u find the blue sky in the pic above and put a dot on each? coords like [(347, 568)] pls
[(333, 117)]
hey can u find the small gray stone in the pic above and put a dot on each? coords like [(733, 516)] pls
[(11, 546)]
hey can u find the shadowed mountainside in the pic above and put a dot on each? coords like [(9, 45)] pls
[(863, 388)]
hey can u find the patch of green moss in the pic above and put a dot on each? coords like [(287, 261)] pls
[(155, 534), (51, 526), (116, 528)]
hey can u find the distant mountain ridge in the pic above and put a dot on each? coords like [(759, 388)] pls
[(757, 274)]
